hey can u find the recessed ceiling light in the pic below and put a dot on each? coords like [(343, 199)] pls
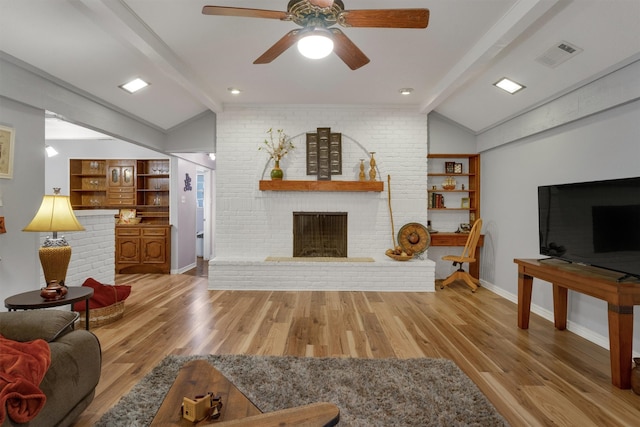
[(509, 85), (406, 91), (134, 85), (234, 91)]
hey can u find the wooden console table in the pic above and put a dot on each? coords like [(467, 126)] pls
[(595, 282), (459, 239)]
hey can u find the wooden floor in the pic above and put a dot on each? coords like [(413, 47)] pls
[(535, 377)]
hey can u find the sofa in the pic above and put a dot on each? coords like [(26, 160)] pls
[(76, 359)]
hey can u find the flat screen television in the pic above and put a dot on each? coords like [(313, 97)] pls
[(594, 223)]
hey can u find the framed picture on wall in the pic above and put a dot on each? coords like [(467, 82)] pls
[(7, 136), (448, 167)]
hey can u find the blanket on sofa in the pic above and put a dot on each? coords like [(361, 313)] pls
[(23, 365)]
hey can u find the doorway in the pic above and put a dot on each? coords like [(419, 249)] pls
[(204, 213)]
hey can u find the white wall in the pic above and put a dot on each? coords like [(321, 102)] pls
[(21, 197), (250, 222), (603, 145), (252, 225)]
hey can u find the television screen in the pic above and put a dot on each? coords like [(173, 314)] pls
[(595, 223)]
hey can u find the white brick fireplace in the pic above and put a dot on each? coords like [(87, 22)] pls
[(252, 225)]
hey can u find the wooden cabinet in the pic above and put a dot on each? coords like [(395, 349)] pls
[(87, 183), (152, 190), (122, 183), (143, 248), (465, 197), (142, 185)]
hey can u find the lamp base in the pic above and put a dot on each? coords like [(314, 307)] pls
[(55, 255)]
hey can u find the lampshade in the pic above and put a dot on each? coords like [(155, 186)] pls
[(55, 214), (317, 44)]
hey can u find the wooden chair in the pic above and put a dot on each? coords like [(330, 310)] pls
[(468, 256)]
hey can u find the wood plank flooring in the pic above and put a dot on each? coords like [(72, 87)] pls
[(535, 377)]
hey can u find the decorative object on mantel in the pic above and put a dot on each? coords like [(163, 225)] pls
[(324, 154), (372, 171), (277, 150), (362, 176), (397, 252)]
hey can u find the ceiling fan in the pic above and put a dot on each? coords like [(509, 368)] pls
[(316, 17)]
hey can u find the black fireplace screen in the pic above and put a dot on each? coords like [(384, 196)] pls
[(320, 234)]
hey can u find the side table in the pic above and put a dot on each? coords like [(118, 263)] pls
[(32, 300)]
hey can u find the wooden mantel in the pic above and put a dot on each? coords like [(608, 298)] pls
[(286, 185)]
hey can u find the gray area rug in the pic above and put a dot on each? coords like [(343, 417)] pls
[(369, 392)]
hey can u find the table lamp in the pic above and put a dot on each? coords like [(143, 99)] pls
[(55, 214)]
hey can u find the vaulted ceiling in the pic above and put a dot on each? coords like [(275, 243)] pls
[(192, 59)]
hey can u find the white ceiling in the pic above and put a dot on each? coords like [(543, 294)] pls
[(191, 59)]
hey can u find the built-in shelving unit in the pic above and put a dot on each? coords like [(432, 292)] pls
[(468, 175), (88, 182), (345, 186), (122, 183), (142, 185)]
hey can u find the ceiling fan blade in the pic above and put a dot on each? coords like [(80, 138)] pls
[(347, 50), (244, 12), (385, 18), (277, 49)]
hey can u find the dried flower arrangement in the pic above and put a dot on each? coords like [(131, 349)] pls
[(277, 146)]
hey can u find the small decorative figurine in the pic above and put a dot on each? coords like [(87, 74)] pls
[(372, 171)]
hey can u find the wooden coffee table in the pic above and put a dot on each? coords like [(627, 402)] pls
[(199, 377)]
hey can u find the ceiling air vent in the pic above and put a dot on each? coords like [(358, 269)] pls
[(559, 53)]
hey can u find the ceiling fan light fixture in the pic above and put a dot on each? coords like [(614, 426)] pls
[(509, 85), (317, 44)]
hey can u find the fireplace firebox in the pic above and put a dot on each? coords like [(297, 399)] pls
[(320, 234)]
